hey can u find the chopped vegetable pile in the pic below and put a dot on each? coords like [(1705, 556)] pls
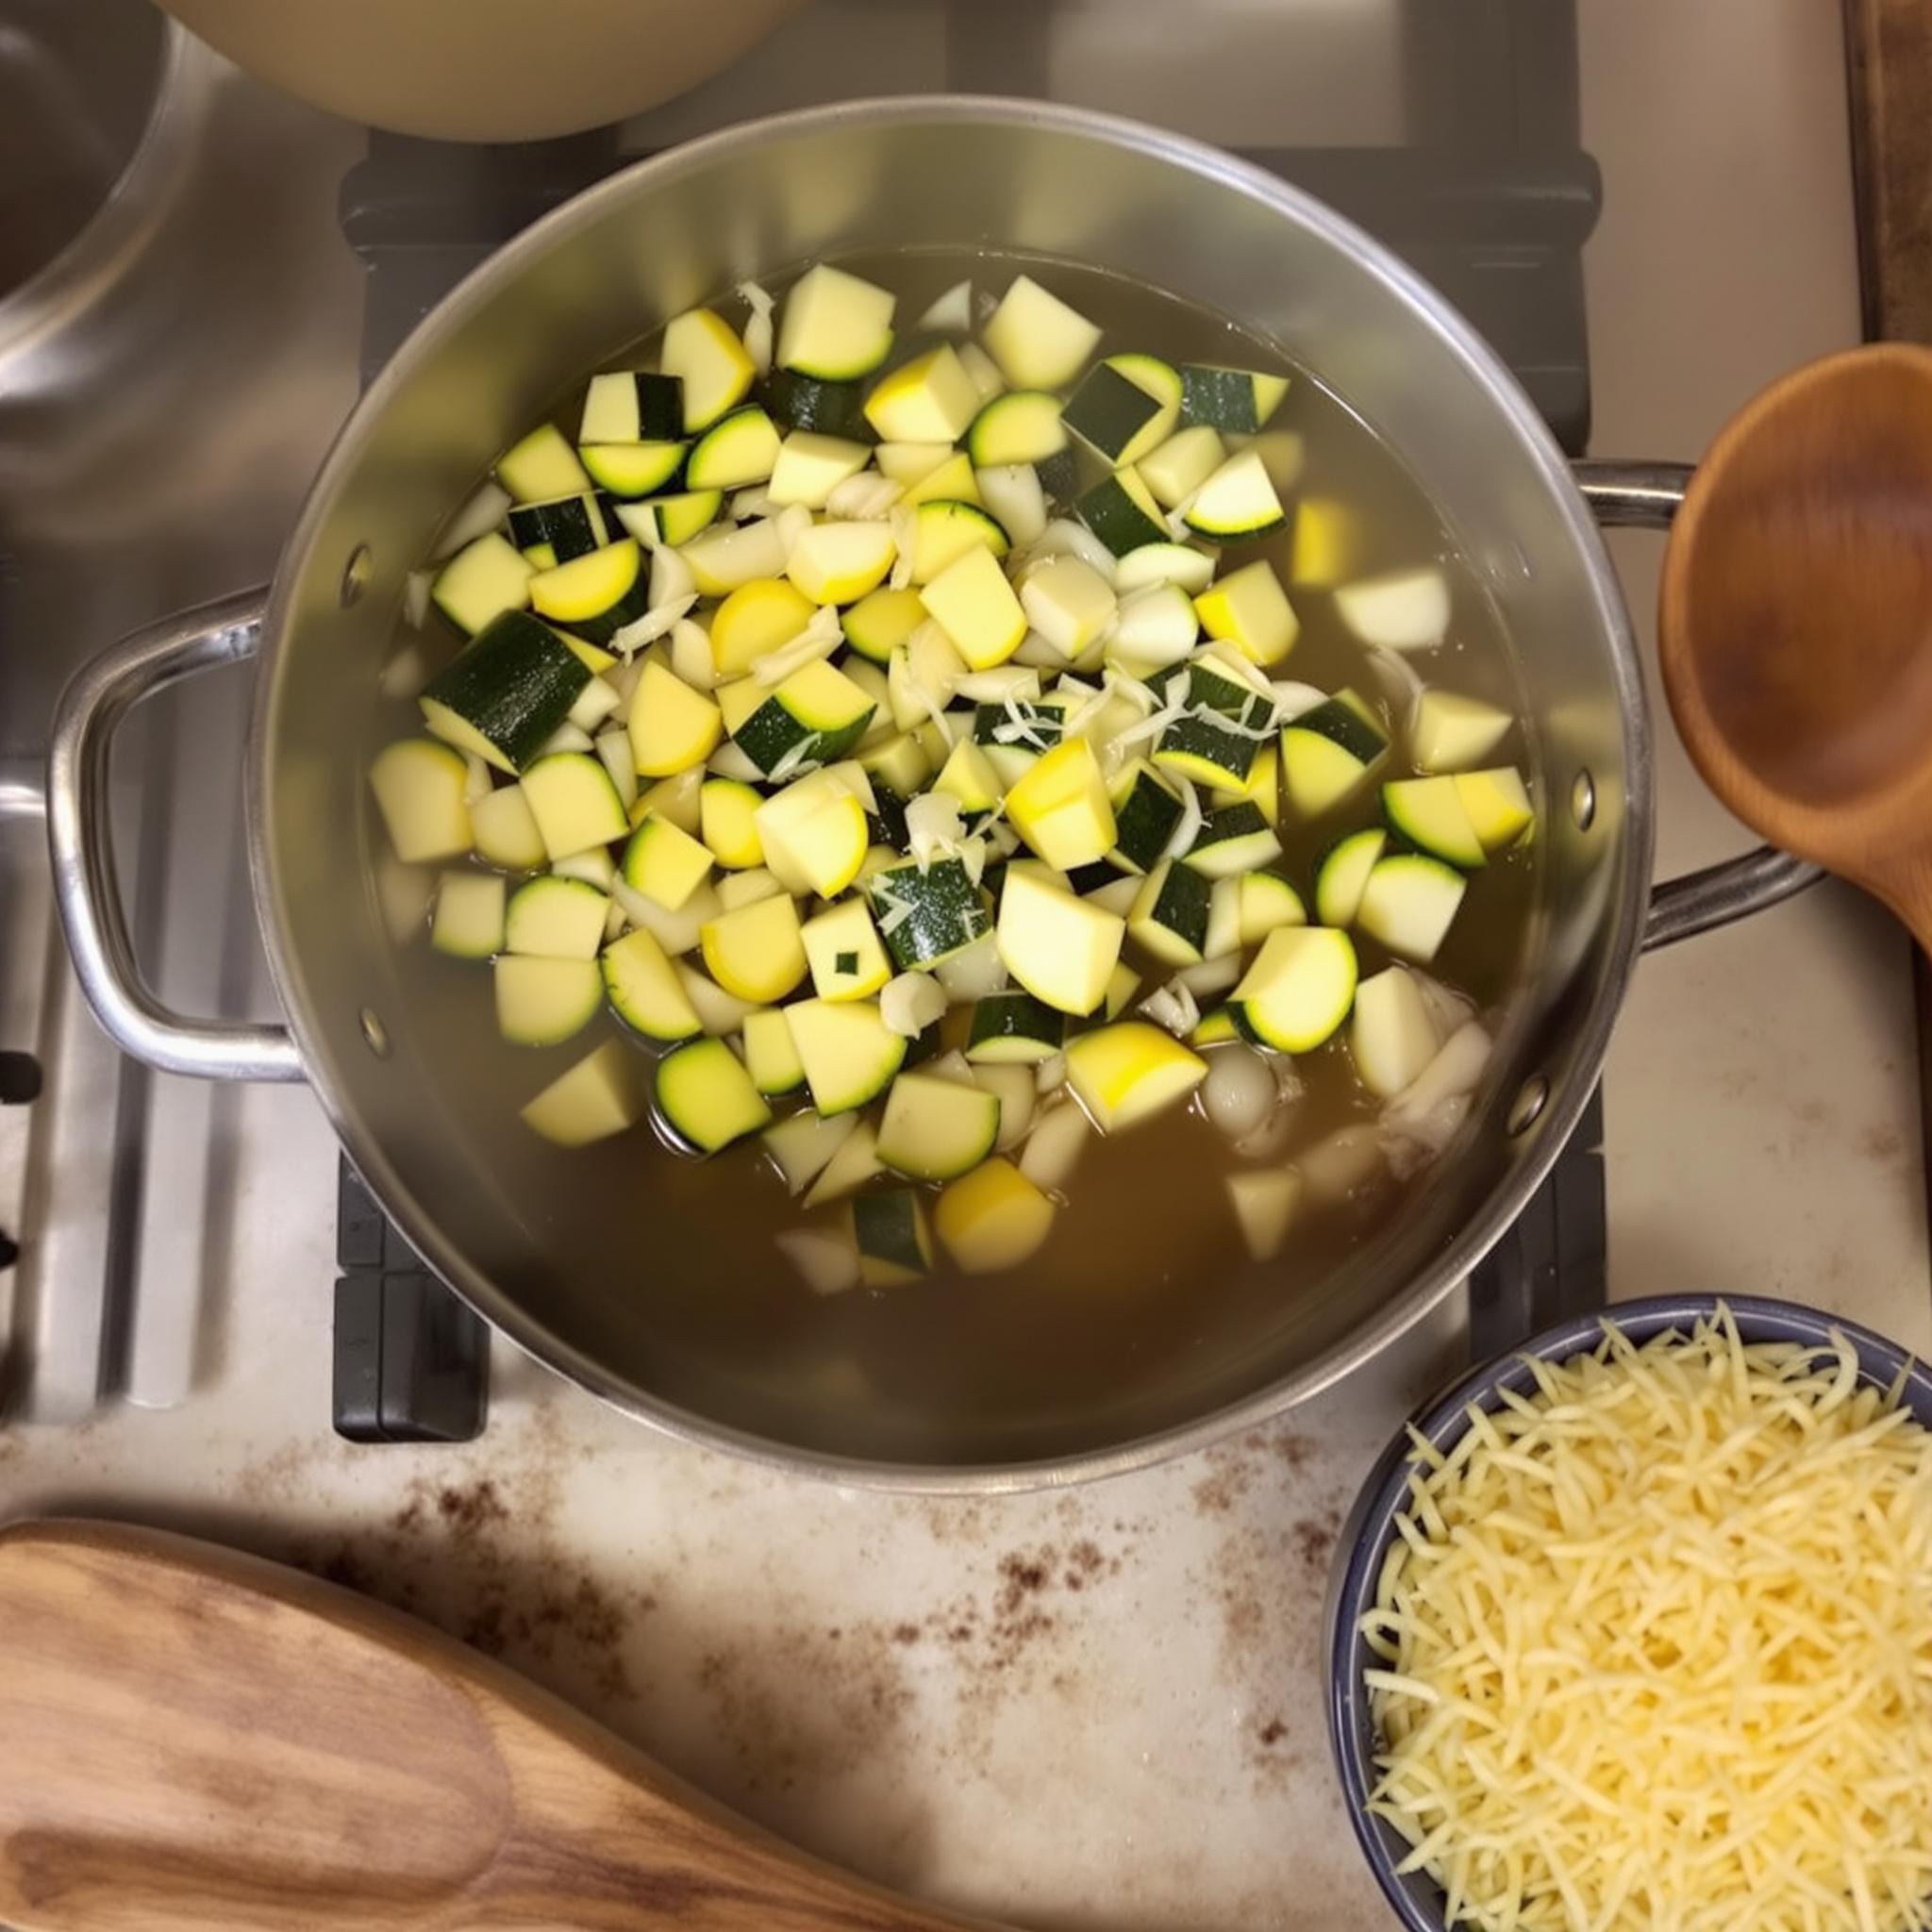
[(889, 741)]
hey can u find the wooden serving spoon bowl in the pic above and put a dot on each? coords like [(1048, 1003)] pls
[(1795, 620), (193, 1740)]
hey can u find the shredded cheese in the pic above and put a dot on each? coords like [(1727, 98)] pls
[(1653, 1647)]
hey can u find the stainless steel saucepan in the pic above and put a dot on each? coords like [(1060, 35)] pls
[(569, 294)]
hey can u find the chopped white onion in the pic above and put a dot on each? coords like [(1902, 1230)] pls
[(951, 1066), (1448, 1009), (910, 1003), (1291, 699), (416, 598), (1238, 1092), (483, 513), (1172, 1006), (950, 315), (933, 826), (1053, 1147), (1051, 1072), (974, 973), (901, 517), (1065, 537), (756, 501), (1427, 1112), (406, 672), (866, 498), (690, 654), (1342, 1166), (655, 624), (1012, 493), (672, 577), (1004, 684), (478, 783), (827, 1263), (733, 761), (793, 521), (1208, 977), (820, 638), (757, 326), (1188, 826)]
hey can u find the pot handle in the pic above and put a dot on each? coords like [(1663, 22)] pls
[(1645, 496), (86, 887)]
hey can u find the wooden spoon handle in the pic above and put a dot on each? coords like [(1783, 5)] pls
[(193, 1739)]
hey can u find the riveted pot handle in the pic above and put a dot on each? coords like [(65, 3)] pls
[(1645, 496), (86, 887)]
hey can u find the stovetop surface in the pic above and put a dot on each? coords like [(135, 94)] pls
[(1101, 1707)]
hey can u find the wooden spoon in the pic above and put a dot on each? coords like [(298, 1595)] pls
[(194, 1738), (1795, 620)]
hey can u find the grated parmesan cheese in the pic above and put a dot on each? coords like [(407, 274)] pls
[(1653, 1647)]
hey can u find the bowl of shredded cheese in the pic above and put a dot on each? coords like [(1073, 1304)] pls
[(1635, 1631)]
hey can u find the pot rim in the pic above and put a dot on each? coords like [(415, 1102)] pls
[(1625, 907)]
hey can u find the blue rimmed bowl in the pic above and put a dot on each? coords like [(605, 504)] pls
[(1417, 1899)]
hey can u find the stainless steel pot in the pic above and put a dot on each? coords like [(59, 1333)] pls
[(570, 293)]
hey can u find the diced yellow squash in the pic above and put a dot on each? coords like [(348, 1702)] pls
[(672, 727), (1060, 948), (756, 952), (1122, 985), (702, 349), (758, 617), (771, 1057), (737, 700), (1498, 805), (727, 814), (1328, 546), (992, 1219), (1264, 1202), (930, 399), (419, 789), (1060, 807), (1068, 602), (839, 563), (665, 864), (974, 605), (847, 960), (603, 1094), (1448, 732), (899, 762), (674, 798), (944, 531), (967, 776), (1249, 609), (907, 462), (1038, 340), (810, 467), (951, 480), (814, 835), (1130, 1069), (849, 1054)]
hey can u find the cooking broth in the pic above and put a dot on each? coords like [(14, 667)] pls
[(1145, 1261)]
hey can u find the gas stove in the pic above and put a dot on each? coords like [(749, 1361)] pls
[(1095, 1707)]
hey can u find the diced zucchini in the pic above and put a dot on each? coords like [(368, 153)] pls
[(803, 1144), (1451, 733), (1224, 920), (553, 532), (1169, 917), (676, 932), (944, 531), (1429, 813), (703, 351), (632, 405), (953, 481), (728, 818), (633, 469), (674, 520), (856, 1162), (664, 862), (821, 408), (1179, 564), (824, 1258), (719, 1013), (542, 1002), (889, 1231), (1130, 1071), (575, 804), (422, 791), (1236, 838), (814, 835), (1068, 602), (810, 467), (505, 832), (1210, 746), (1013, 1027), (984, 371), (594, 704), (934, 1129), (1125, 407), (598, 594), (556, 918), (540, 466), (468, 923), (481, 581), (992, 1219), (1181, 464), (758, 617), (1299, 989), (1022, 426), (880, 621), (1497, 805), (843, 947), (1402, 610), (1238, 500), (504, 694), (594, 867), (848, 1051), (1391, 1037), (771, 1057), (840, 563), (706, 1097), (1236, 400), (1038, 340), (1344, 873), (929, 399), (1012, 492), (1122, 512), (1157, 624), (603, 1094), (836, 326), (925, 917), (1326, 752), (1061, 806), (1060, 948), (815, 715), (1217, 1028), (1263, 787), (645, 991), (756, 952), (1267, 901), (740, 447), (1264, 1200), (974, 605), (1249, 609)]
